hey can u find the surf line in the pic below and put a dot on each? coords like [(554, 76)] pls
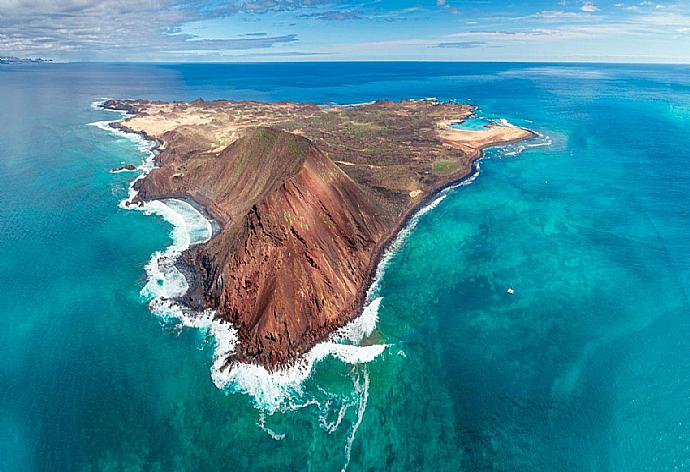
[(165, 283), (269, 389)]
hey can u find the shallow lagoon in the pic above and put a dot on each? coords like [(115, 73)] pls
[(472, 124)]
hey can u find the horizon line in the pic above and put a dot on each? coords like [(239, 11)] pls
[(360, 61)]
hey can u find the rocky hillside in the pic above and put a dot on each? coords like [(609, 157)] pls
[(296, 242), (307, 198)]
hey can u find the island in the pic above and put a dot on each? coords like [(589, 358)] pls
[(307, 198), (22, 60)]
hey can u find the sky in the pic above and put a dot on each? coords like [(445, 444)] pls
[(326, 30)]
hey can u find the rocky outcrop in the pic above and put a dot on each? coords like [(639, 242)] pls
[(125, 168)]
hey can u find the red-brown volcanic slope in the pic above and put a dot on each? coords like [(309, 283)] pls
[(307, 198)]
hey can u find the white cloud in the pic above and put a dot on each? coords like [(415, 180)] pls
[(544, 34), (126, 29), (557, 14), (448, 6), (157, 29)]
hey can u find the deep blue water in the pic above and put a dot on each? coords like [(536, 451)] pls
[(585, 367)]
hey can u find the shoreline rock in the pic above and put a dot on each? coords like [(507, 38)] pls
[(125, 168)]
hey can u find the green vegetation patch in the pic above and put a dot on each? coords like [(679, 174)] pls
[(444, 167)]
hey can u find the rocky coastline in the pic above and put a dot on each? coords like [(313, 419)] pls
[(287, 282)]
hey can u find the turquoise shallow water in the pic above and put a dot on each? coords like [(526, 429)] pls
[(471, 124), (585, 367)]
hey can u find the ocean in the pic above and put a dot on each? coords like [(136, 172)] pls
[(586, 366)]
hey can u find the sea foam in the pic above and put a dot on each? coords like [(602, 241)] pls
[(514, 149), (271, 389)]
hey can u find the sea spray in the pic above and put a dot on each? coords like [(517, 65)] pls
[(190, 227), (165, 282), (271, 389), (362, 389), (144, 145)]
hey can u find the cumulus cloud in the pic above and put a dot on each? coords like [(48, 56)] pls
[(262, 6), (161, 29), (126, 29), (589, 7), (561, 15)]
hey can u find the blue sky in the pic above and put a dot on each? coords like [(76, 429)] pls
[(324, 30)]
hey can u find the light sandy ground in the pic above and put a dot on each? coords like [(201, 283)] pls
[(221, 125), (163, 117), (477, 140)]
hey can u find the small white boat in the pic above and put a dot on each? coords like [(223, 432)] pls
[(510, 291)]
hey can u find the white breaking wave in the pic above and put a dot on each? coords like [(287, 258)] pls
[(190, 227), (143, 145), (98, 104), (270, 390), (165, 283), (164, 280), (280, 390), (514, 149)]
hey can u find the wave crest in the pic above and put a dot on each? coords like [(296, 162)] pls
[(165, 283)]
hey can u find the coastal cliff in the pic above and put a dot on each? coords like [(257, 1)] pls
[(307, 199)]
